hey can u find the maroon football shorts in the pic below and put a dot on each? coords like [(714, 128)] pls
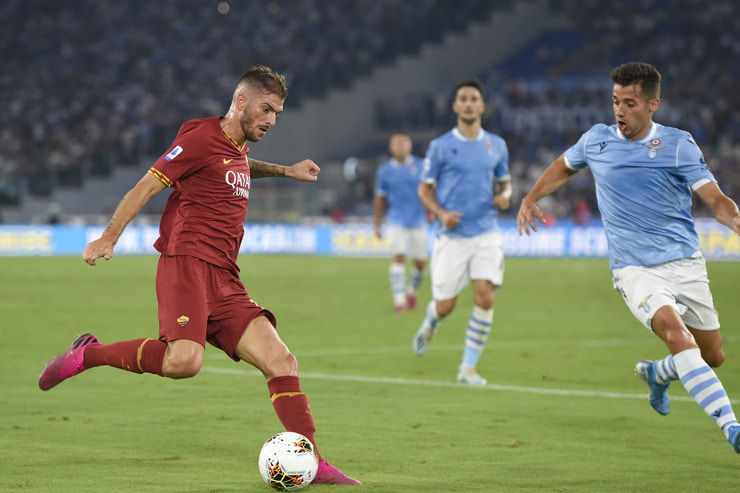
[(201, 302)]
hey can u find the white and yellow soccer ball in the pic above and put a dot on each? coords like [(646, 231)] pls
[(288, 461)]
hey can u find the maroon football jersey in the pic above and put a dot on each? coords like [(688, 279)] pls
[(209, 176)]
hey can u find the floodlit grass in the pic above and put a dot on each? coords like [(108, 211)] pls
[(562, 413)]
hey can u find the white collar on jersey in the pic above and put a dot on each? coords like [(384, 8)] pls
[(459, 135), (648, 136)]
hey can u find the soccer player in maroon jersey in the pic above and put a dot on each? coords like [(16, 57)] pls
[(200, 296)]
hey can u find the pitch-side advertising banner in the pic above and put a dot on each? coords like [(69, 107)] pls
[(352, 240)]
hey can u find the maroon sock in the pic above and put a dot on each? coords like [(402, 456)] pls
[(138, 356), (291, 406)]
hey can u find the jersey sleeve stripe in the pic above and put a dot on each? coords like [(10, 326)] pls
[(160, 176)]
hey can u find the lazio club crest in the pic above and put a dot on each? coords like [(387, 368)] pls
[(653, 147), (489, 147)]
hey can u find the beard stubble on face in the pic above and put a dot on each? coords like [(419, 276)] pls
[(248, 128)]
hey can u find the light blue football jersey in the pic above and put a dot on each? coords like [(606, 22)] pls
[(644, 190), (399, 184), (464, 172)]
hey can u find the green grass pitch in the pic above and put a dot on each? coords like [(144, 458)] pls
[(562, 411)]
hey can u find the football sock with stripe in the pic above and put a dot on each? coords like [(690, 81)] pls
[(704, 386), (417, 276), (291, 406), (397, 274), (137, 356), (476, 335), (431, 318), (665, 370)]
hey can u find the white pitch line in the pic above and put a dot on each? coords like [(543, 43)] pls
[(456, 347), (438, 383), (358, 351)]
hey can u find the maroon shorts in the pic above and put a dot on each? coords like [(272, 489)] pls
[(201, 302)]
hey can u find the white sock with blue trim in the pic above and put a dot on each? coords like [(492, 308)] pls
[(704, 386), (397, 274), (417, 276), (479, 328), (431, 317), (665, 370)]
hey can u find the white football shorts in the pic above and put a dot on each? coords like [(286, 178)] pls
[(410, 242), (456, 261), (682, 284)]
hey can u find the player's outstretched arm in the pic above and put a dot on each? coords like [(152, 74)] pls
[(305, 170), (528, 210), (725, 209), (127, 209), (551, 179)]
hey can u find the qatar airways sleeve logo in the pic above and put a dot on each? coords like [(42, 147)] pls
[(239, 182)]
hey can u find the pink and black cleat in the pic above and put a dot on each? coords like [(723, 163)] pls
[(328, 474), (67, 364)]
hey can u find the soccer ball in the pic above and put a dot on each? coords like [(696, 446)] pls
[(288, 461)]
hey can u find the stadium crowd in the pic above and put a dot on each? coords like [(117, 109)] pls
[(90, 84), (108, 81)]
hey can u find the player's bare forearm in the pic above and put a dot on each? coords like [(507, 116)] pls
[(723, 208), (127, 209), (131, 204), (502, 199), (261, 169), (427, 196), (305, 170), (727, 213), (551, 179), (501, 202)]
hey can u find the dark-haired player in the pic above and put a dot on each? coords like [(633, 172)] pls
[(645, 174), (465, 182)]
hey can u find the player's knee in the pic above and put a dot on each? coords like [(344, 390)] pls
[(484, 295), (287, 364), (678, 339), (714, 358), (284, 364), (484, 303), (445, 307), (443, 312), (182, 367)]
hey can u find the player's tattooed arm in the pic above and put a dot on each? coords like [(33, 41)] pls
[(305, 170), (261, 169)]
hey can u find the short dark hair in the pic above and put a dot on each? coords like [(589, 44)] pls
[(266, 79), (475, 83), (640, 73)]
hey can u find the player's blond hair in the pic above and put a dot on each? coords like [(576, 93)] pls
[(264, 78)]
